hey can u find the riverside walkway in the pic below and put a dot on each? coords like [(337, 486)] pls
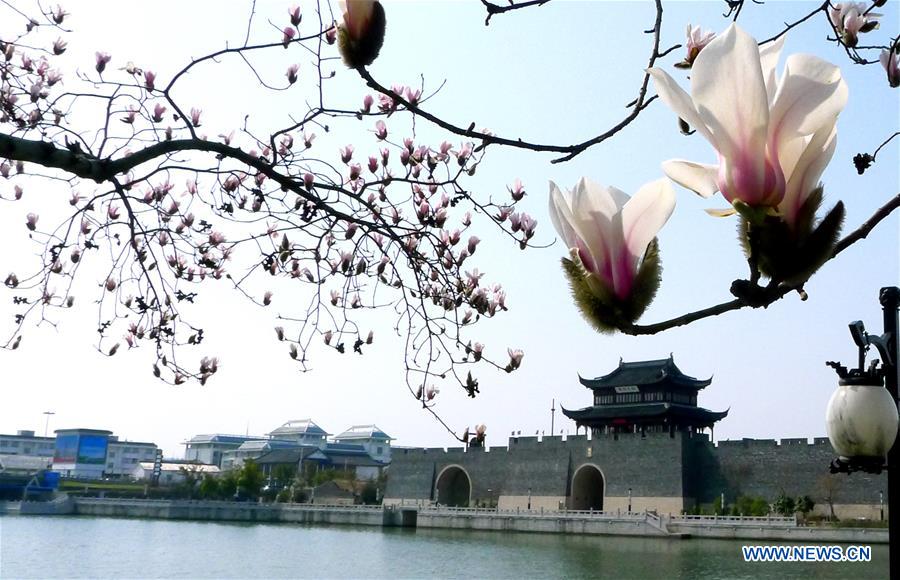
[(420, 515)]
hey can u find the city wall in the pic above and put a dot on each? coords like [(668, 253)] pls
[(657, 472)]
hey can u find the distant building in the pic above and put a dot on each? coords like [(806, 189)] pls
[(171, 472), (211, 448), (333, 493), (302, 432), (90, 453), (363, 450), (375, 441)]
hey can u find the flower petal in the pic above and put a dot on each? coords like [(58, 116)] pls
[(698, 177), (768, 61), (721, 212), (811, 93), (730, 66), (645, 214), (808, 171), (679, 101), (561, 216)]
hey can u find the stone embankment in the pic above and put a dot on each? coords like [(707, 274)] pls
[(645, 524)]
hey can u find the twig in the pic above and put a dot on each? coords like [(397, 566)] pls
[(493, 9)]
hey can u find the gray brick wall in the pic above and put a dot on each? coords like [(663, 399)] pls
[(654, 466)]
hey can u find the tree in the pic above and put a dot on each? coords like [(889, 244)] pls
[(163, 202), (209, 487), (804, 504), (784, 505), (829, 487), (250, 479), (228, 485)]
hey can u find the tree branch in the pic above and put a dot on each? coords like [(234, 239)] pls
[(493, 9), (769, 294)]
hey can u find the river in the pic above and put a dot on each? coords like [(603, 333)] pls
[(87, 547)]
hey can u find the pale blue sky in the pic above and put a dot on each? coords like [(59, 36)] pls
[(559, 73)]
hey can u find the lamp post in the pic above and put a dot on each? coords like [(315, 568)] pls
[(862, 414), (47, 421), (629, 500)]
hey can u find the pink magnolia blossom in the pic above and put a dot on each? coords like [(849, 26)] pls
[(267, 298), (296, 17), (195, 117), (287, 35), (149, 79), (292, 73), (368, 101), (346, 153), (412, 96), (608, 232), (59, 46), (373, 164), (308, 180), (113, 212), (357, 16), (101, 59), (58, 14), (515, 359), (431, 392), (17, 192), (473, 243), (889, 60), (110, 284), (4, 169), (331, 34), (216, 238), (158, 111), (771, 149), (53, 76), (381, 130), (849, 19), (696, 41), (31, 221), (517, 190)]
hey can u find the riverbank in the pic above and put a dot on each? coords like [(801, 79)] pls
[(643, 524)]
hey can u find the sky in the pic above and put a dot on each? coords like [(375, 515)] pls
[(560, 73)]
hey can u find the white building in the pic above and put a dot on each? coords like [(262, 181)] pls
[(375, 441), (302, 432), (171, 473), (211, 448), (97, 453)]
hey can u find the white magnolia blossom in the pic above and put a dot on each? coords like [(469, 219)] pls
[(607, 231), (773, 137)]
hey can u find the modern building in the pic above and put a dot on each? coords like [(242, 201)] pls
[(301, 432), (375, 441), (172, 472), (643, 449), (364, 450), (211, 448), (118, 457)]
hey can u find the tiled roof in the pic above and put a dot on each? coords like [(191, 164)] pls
[(647, 372), (299, 427), (363, 432)]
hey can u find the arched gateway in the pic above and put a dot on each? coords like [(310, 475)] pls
[(453, 487), (587, 489)]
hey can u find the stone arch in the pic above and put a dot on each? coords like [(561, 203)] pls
[(453, 487), (588, 488)]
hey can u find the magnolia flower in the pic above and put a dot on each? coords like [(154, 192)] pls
[(158, 111), (296, 17), (346, 153), (515, 358), (31, 221), (775, 145), (516, 190), (614, 266), (361, 33), (101, 60), (889, 60), (149, 79), (849, 19), (381, 130), (287, 35), (292, 73), (195, 117), (59, 46), (696, 41)]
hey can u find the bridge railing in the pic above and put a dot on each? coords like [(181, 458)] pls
[(734, 520)]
